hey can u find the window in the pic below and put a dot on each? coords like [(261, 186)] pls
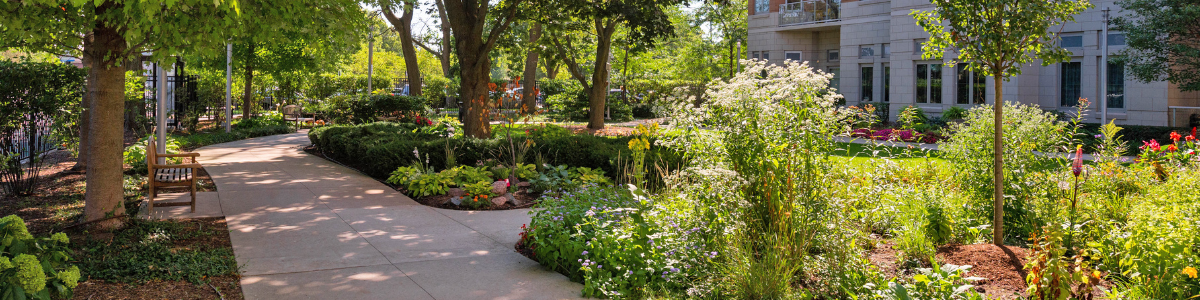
[(836, 81), (865, 51), (755, 55), (887, 50), (972, 86), (1070, 84), (887, 83), (831, 55), (793, 55), (766, 55), (1116, 39), (929, 83), (1116, 85), (917, 43), (761, 6), (867, 83), (1075, 41)]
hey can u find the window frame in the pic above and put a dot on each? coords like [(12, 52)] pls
[(933, 95), (975, 94), (1120, 78), (866, 83), (1061, 40), (887, 83), (833, 55), (866, 51), (801, 53), (1077, 70)]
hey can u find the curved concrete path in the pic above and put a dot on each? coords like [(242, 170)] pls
[(305, 228)]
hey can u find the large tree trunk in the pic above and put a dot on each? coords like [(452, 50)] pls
[(475, 74), (529, 94), (104, 196), (598, 95), (998, 180), (85, 116), (403, 26), (550, 64), (248, 91)]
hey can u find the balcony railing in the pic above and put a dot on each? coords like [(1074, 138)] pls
[(809, 12)]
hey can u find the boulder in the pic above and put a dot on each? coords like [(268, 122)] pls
[(455, 192), (513, 199), (456, 200), (499, 188), (499, 200)]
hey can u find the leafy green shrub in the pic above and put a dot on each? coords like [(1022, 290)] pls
[(944, 282), (385, 105), (568, 105), (418, 183), (609, 240), (34, 268), (464, 175), (435, 90), (135, 155), (954, 112), (379, 148), (1027, 130), (552, 87)]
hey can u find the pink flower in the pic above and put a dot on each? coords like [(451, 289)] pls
[(1077, 165), (1152, 145)]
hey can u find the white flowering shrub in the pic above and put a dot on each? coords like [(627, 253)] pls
[(34, 268)]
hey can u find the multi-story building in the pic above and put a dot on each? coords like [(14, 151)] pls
[(874, 49)]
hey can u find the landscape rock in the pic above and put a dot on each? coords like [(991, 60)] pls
[(456, 200), (497, 201), (445, 200), (513, 199), (455, 192), (499, 187), (523, 184)]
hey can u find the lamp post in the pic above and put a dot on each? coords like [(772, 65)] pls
[(1104, 71), (228, 87), (370, 55), (160, 112)]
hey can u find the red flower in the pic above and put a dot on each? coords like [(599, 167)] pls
[(1190, 138), (1172, 148), (1152, 145), (1077, 165), (1175, 136)]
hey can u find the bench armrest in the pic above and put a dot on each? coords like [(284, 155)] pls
[(175, 166), (189, 154)]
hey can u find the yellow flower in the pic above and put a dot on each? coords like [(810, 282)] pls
[(1190, 271)]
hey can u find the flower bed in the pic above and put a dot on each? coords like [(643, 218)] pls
[(902, 135)]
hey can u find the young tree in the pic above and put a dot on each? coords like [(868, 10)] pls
[(645, 20), (403, 26), (469, 20), (997, 37), (1163, 39)]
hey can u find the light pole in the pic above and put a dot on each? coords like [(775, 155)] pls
[(228, 87), (160, 112), (1104, 71), (370, 55)]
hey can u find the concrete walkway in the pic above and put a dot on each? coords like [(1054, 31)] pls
[(305, 228)]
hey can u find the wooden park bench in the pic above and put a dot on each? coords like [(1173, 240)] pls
[(170, 175), (294, 113)]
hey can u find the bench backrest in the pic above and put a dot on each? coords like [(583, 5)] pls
[(291, 111)]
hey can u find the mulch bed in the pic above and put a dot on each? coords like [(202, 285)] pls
[(527, 198), (220, 287), (1004, 267)]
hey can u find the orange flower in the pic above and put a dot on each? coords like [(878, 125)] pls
[(1175, 136), (1190, 272), (1172, 148)]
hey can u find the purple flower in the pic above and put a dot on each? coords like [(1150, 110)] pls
[(584, 252)]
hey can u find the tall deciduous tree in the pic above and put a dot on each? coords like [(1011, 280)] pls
[(108, 34), (474, 39), (1163, 38), (644, 20), (529, 94), (997, 37), (403, 26)]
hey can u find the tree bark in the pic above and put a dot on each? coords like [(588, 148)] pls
[(529, 94), (475, 74), (550, 65), (598, 96), (444, 55), (104, 196), (403, 26), (248, 90), (469, 19), (85, 116), (998, 166)]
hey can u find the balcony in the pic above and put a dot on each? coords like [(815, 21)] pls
[(810, 12)]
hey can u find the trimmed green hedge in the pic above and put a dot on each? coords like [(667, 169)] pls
[(379, 148)]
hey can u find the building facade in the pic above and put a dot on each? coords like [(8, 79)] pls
[(873, 47)]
